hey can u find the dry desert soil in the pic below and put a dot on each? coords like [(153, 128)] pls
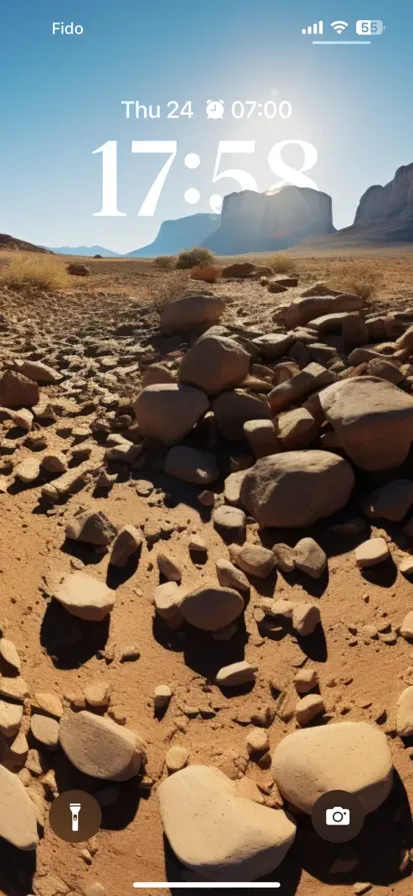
[(101, 335)]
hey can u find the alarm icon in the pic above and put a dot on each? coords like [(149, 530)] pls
[(215, 108)]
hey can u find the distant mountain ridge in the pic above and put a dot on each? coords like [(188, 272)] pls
[(89, 251)]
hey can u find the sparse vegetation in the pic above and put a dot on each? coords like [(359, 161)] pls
[(192, 257), (170, 287), (165, 262), (37, 270), (356, 276), (282, 263)]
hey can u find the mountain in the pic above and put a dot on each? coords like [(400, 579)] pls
[(86, 250), (11, 242), (182, 233), (261, 222)]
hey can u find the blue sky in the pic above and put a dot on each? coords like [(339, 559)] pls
[(62, 96)]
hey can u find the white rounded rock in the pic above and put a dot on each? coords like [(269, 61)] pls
[(100, 747), (352, 756)]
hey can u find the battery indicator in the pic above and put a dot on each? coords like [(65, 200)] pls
[(369, 26)]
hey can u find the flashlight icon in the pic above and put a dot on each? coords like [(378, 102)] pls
[(75, 809)]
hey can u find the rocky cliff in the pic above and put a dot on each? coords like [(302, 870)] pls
[(174, 236), (257, 222), (384, 214)]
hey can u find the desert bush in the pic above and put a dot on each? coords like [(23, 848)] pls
[(281, 263), (190, 258), (165, 262), (170, 287), (35, 269), (355, 276)]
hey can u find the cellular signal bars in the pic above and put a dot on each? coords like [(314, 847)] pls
[(317, 28)]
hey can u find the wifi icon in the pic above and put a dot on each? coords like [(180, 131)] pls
[(339, 27)]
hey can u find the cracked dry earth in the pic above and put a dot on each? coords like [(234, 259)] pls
[(323, 625)]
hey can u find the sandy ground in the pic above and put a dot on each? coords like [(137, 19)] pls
[(358, 682)]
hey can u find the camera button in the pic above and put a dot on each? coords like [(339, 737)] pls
[(337, 816)]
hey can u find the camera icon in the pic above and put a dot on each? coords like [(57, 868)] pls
[(338, 816)]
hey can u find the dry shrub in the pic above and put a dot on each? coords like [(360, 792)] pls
[(282, 263), (190, 258), (165, 262), (357, 276), (35, 270), (170, 287)]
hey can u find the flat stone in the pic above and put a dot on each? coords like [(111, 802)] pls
[(187, 312), (229, 576), (51, 704), (45, 730), (406, 566), (13, 688), (85, 597), (230, 521), (101, 748), (18, 824), (310, 558), (28, 470), (11, 715), (256, 560), (211, 607), (352, 756), (308, 708), (176, 758), (372, 551), (92, 528), (9, 655), (217, 834), (236, 674)]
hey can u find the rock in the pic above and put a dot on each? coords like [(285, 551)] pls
[(13, 688), (273, 345), (217, 834), (308, 308), (372, 551), (284, 557), (55, 463), (232, 488), (209, 273), (306, 617), (293, 390), (306, 680), (156, 374), (229, 576), (295, 489), (18, 391), (198, 545), (95, 889), (38, 372), (211, 607), (206, 498), (9, 655), (191, 311), (162, 697), (191, 465), (167, 599), (100, 748), (257, 741), (176, 758), (256, 560), (77, 270), (130, 654), (51, 704), (351, 756), (28, 470), (45, 730), (248, 790), (22, 418), (385, 370), (296, 429), (261, 437), (406, 566), (213, 364), (404, 720), (373, 421), (168, 567), (97, 694), (127, 542), (92, 528), (85, 597), (18, 823), (233, 409), (308, 708), (390, 501), (71, 481), (168, 412), (354, 329), (230, 522), (236, 674), (310, 558), (11, 715), (274, 286)]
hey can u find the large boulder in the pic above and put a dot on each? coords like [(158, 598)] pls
[(221, 836), (233, 409), (17, 390), (214, 363), (309, 308), (351, 756), (100, 747), (296, 488), (18, 823), (372, 419), (168, 412), (191, 311)]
